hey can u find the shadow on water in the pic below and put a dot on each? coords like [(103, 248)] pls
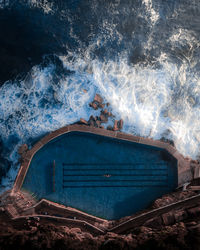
[(133, 203)]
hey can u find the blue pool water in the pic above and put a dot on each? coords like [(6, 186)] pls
[(102, 176)]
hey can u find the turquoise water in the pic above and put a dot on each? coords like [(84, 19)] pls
[(102, 176)]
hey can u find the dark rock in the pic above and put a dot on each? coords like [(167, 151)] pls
[(98, 99), (114, 244), (91, 121), (83, 121), (94, 121), (155, 222), (110, 114), (115, 127), (180, 215), (165, 200), (107, 104), (104, 112), (22, 149), (109, 127), (103, 118), (193, 212), (101, 105), (93, 105), (168, 218), (97, 123), (120, 124)]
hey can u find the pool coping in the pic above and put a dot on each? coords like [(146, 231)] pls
[(185, 172)]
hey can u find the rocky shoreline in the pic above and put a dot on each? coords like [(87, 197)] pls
[(181, 232)]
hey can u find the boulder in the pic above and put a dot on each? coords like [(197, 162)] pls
[(94, 121), (103, 118), (109, 127), (91, 121), (83, 121), (101, 105), (115, 127), (168, 218), (98, 98), (93, 105), (23, 149), (120, 124), (180, 215), (193, 212), (97, 123), (104, 112)]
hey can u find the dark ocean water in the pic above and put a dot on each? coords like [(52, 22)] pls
[(141, 56)]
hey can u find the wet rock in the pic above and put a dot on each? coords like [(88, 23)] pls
[(104, 112), (120, 124), (168, 218), (97, 102), (115, 127), (22, 149), (97, 123), (101, 105), (98, 99), (91, 121), (109, 127), (93, 105), (107, 104), (103, 118), (94, 121), (83, 121)]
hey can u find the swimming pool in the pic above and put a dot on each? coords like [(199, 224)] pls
[(106, 177)]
